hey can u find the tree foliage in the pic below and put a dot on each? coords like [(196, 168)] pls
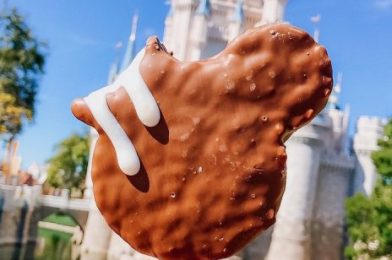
[(68, 166), (369, 219), (383, 158), (22, 62)]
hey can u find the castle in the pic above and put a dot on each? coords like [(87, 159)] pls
[(324, 165)]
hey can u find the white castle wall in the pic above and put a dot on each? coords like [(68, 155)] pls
[(97, 234)]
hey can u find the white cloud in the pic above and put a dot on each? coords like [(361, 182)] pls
[(147, 32), (83, 40), (86, 41), (383, 4)]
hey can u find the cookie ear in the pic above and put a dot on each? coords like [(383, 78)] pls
[(293, 71), (307, 94), (81, 111)]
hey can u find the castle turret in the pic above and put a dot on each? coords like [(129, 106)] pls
[(200, 29), (339, 119), (113, 72), (130, 51), (273, 11), (369, 130), (178, 24)]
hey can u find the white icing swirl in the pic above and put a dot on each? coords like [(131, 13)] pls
[(146, 109)]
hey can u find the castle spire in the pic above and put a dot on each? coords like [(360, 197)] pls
[(114, 68), (171, 8), (204, 8), (130, 52), (113, 72), (238, 15), (171, 11), (333, 102)]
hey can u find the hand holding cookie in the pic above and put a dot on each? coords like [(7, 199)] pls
[(190, 160)]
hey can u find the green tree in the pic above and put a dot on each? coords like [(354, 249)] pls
[(68, 166), (22, 62), (369, 219)]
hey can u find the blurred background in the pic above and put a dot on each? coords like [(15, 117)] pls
[(339, 166)]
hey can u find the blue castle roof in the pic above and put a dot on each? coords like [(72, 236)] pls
[(238, 15), (171, 11), (204, 8)]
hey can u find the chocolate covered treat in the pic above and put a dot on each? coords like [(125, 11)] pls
[(190, 159)]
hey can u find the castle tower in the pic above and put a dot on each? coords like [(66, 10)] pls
[(198, 29), (130, 51), (369, 130), (334, 177), (178, 23), (339, 118), (200, 24), (96, 227), (311, 217), (273, 11), (293, 225)]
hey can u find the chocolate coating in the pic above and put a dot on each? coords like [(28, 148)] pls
[(213, 170)]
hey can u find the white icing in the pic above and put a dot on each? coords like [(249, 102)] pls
[(146, 109)]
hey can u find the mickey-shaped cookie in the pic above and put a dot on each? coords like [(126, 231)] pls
[(190, 159)]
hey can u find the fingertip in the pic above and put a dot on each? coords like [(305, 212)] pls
[(76, 107), (81, 111)]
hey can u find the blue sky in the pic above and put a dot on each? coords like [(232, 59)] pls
[(82, 34)]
